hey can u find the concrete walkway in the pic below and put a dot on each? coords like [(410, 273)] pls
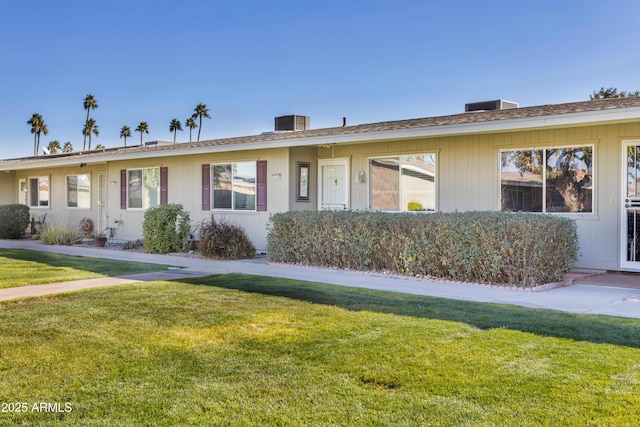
[(592, 298)]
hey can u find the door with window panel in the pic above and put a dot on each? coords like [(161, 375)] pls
[(630, 223), (333, 180)]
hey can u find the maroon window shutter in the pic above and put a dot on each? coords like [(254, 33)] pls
[(123, 189), (261, 184), (206, 187), (164, 176)]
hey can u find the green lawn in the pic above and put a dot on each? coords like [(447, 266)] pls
[(244, 350), (20, 267)]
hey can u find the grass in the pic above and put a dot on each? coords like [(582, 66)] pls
[(20, 267), (245, 350)]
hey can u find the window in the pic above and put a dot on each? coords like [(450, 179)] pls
[(39, 191), (79, 191), (403, 183), (302, 181), (234, 186), (23, 192), (547, 180), (143, 188)]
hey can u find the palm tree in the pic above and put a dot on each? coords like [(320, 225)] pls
[(125, 133), (90, 103), (191, 124), (53, 147), (67, 148), (143, 127), (175, 126), (37, 127), (90, 128), (200, 111)]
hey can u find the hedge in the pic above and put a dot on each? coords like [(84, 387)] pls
[(166, 229), (502, 248), (14, 220)]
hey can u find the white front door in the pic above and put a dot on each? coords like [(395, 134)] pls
[(630, 221), (333, 184)]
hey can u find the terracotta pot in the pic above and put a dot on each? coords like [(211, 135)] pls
[(100, 241)]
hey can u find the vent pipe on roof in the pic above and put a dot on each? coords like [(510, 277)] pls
[(498, 104)]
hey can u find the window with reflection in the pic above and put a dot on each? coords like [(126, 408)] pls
[(547, 180), (633, 171), (234, 186), (403, 183), (143, 188), (79, 191), (39, 191)]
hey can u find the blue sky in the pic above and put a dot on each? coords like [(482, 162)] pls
[(250, 61)]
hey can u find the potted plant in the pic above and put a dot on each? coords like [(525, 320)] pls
[(100, 239)]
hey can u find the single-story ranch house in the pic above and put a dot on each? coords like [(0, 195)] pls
[(580, 160)]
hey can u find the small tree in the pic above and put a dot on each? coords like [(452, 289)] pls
[(166, 229), (90, 103), (125, 133), (191, 124), (53, 147), (143, 127), (68, 147), (91, 128), (38, 126), (200, 111), (175, 126), (612, 92)]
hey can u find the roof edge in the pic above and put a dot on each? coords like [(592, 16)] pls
[(526, 118)]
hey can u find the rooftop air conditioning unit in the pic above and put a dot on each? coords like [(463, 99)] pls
[(498, 104), (292, 123), (157, 143)]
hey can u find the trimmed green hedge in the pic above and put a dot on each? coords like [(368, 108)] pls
[(166, 229), (515, 249), (14, 220)]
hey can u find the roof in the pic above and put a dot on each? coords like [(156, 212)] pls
[(544, 116)]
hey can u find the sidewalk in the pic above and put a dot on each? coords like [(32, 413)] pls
[(597, 297)]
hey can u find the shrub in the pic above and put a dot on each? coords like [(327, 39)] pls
[(129, 245), (222, 240), (166, 229), (415, 206), (515, 249), (14, 220), (58, 235)]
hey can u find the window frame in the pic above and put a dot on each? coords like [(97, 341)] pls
[(88, 175), (434, 154), (39, 204), (233, 201), (544, 183)]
